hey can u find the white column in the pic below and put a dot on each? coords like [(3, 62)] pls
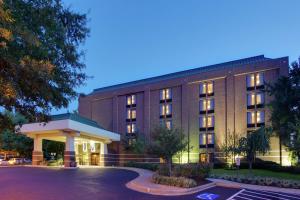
[(103, 148), (69, 143), (38, 143)]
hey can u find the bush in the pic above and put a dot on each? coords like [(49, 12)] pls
[(266, 181), (174, 181), (149, 166), (195, 171), (57, 162), (163, 170)]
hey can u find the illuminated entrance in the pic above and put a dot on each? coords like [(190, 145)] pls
[(86, 141)]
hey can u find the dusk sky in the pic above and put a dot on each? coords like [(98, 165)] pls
[(136, 39)]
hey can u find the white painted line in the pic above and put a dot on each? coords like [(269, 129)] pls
[(254, 196), (266, 195), (244, 198), (285, 195), (231, 198)]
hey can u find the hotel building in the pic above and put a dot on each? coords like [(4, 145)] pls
[(207, 103)]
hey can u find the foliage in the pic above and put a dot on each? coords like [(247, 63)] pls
[(50, 146), (174, 181), (11, 141), (230, 146), (195, 171), (135, 144), (20, 143), (285, 108), (149, 166), (41, 63), (259, 180), (255, 142), (166, 143)]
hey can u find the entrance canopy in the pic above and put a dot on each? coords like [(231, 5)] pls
[(61, 125), (81, 135)]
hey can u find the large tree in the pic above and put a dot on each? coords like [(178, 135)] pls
[(255, 142), (166, 143), (40, 59), (285, 107)]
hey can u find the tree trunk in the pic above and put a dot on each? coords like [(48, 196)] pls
[(280, 151), (170, 165), (250, 167)]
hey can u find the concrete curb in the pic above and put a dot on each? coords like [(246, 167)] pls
[(143, 184), (231, 184)]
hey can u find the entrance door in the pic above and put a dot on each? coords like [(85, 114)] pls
[(95, 159)]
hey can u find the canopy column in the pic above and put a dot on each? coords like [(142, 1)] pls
[(69, 154), (103, 154), (37, 154)]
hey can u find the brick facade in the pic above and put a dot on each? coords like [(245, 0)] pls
[(107, 105)]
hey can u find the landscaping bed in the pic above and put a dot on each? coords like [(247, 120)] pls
[(259, 177)]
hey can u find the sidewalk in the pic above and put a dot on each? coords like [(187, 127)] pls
[(143, 184), (225, 183)]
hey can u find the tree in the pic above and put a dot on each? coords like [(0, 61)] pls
[(255, 142), (166, 143), (135, 144), (53, 147), (285, 106), (40, 60), (230, 146), (12, 141)]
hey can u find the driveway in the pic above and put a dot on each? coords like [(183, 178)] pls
[(26, 183)]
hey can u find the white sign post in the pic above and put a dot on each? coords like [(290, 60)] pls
[(238, 163)]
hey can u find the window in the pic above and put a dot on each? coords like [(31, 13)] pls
[(206, 139), (206, 104), (165, 110), (202, 139), (256, 117), (210, 138), (166, 94), (206, 121), (166, 123), (206, 88), (255, 80), (131, 128), (255, 99), (131, 114), (131, 100)]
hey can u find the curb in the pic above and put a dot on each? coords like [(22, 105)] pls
[(143, 184), (231, 184)]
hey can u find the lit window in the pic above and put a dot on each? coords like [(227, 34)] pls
[(202, 139), (210, 138), (206, 88), (131, 100), (206, 104), (255, 79), (165, 94), (206, 121), (210, 121), (131, 128), (131, 114), (260, 117), (255, 117), (166, 123), (210, 88), (255, 98), (165, 109)]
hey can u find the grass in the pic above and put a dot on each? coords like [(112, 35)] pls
[(258, 172)]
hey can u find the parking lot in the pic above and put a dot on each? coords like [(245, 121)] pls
[(263, 195)]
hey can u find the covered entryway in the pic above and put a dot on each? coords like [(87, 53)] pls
[(86, 141)]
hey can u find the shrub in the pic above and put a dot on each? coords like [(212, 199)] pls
[(195, 171), (163, 170), (268, 181), (174, 181), (149, 166)]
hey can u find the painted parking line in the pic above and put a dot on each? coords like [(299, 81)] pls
[(262, 195)]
